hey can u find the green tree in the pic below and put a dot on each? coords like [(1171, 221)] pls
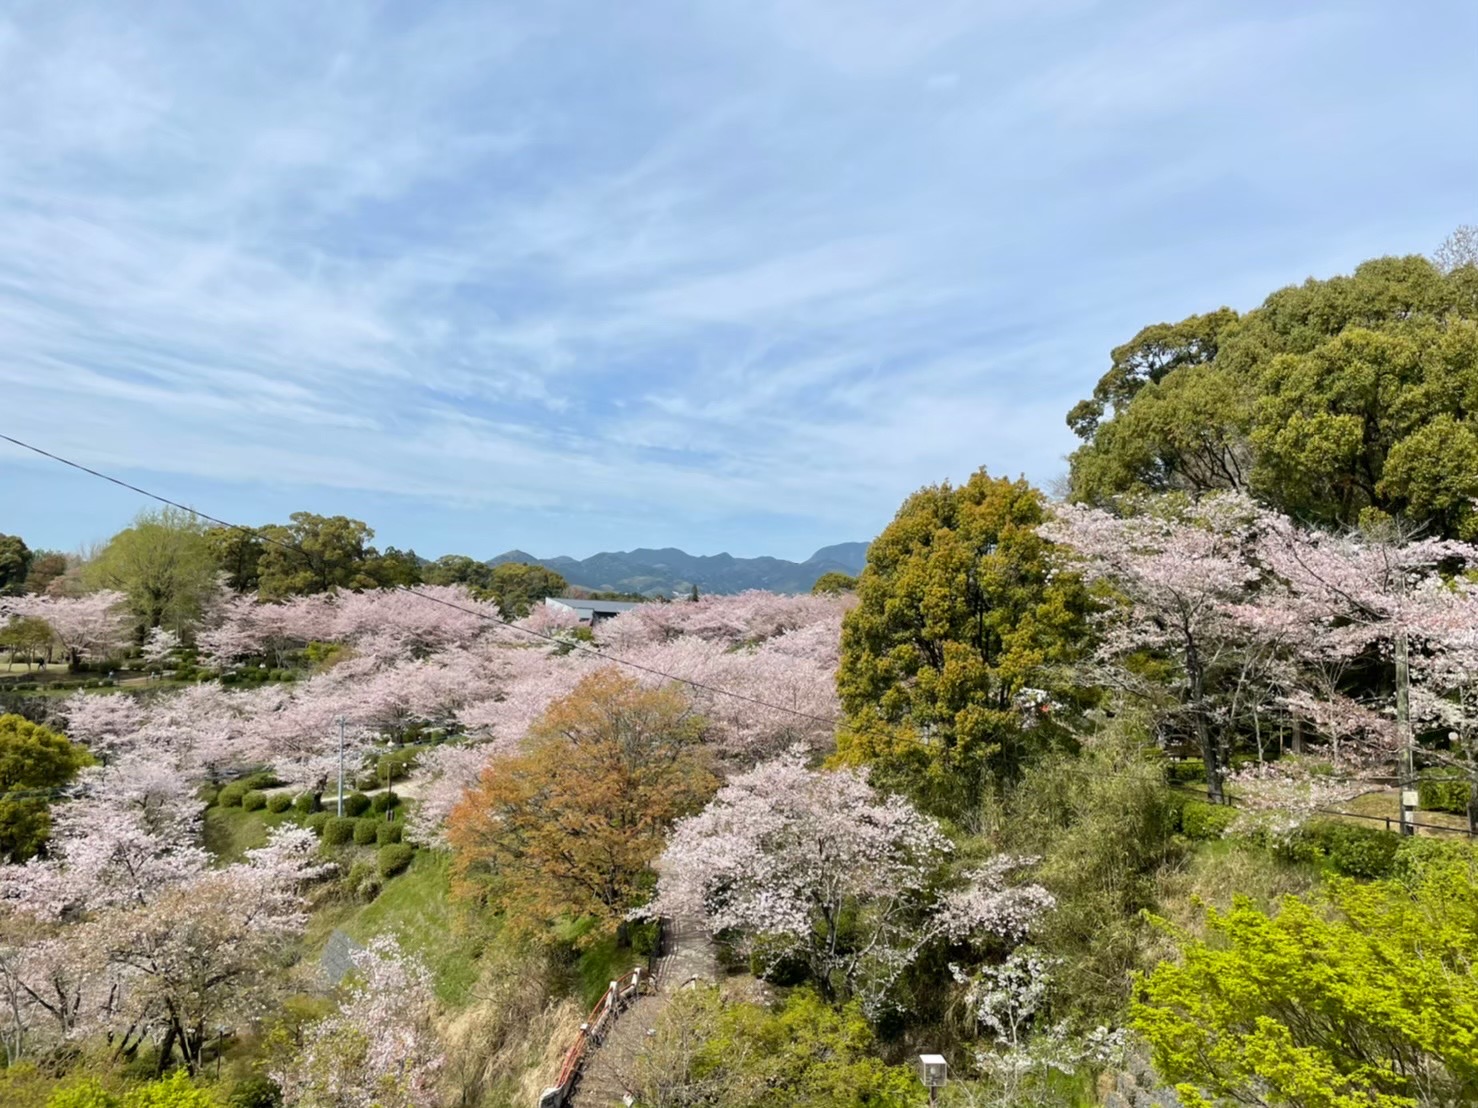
[(28, 635), (1333, 396), (458, 569), (517, 586), (34, 760), (1368, 1001), (46, 567), (834, 584), (163, 566), (395, 568), (705, 1052), (238, 553), (15, 565), (961, 607), (314, 554)]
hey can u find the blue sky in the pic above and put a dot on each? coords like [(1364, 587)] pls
[(725, 276)]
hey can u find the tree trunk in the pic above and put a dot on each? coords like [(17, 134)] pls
[(1298, 735), (1472, 805)]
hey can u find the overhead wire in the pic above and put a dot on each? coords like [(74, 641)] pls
[(555, 639)]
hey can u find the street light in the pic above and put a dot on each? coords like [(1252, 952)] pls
[(933, 1072)]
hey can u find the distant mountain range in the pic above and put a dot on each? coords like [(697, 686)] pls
[(672, 572)]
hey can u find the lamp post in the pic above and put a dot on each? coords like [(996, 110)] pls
[(933, 1072)]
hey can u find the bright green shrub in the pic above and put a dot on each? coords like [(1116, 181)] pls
[(1443, 796), (277, 802), (356, 804), (87, 1093), (365, 831), (339, 830), (1202, 821), (174, 1091), (253, 801), (231, 795), (389, 833), (363, 881), (384, 801), (305, 804), (317, 821), (395, 857)]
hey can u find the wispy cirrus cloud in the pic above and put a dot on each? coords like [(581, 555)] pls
[(570, 276)]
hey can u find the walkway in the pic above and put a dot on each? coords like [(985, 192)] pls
[(687, 957)]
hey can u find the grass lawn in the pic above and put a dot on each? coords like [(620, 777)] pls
[(415, 907), (1386, 803), (230, 832)]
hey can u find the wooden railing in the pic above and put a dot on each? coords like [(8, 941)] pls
[(619, 993)]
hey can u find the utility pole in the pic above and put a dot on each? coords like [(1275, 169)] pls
[(341, 765), (1404, 735)]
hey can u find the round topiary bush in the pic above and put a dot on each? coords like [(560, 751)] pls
[(1200, 820), (279, 802), (305, 804), (389, 833), (394, 857), (230, 796), (339, 830), (254, 800), (356, 804), (365, 830), (383, 802), (316, 821)]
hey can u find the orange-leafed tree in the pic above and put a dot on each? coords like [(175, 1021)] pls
[(566, 828)]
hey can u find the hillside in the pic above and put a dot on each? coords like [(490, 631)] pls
[(670, 571)]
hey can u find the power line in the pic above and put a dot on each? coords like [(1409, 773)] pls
[(259, 534)]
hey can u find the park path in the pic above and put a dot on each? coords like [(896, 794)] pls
[(688, 957)]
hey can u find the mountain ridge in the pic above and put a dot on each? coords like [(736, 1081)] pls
[(669, 571)]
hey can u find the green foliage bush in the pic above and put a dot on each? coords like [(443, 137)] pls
[(643, 938), (356, 804), (1364, 852), (231, 795), (277, 802), (87, 1093), (386, 833), (317, 821), (395, 857), (364, 881), (339, 830), (265, 779), (383, 802), (366, 831), (1438, 795), (1187, 771), (254, 800), (305, 804), (1202, 821), (255, 1091)]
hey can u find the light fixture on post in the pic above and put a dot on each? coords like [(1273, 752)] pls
[(933, 1072)]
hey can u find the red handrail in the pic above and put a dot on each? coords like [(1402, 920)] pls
[(605, 1007)]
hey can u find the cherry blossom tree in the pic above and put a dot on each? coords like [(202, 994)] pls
[(1175, 575), (92, 625), (785, 857), (379, 1050)]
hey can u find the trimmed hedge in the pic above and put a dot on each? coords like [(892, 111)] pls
[(383, 802), (279, 802), (394, 857), (1202, 821), (1188, 771), (356, 804), (365, 831), (230, 796), (316, 821), (1365, 852), (1443, 796), (386, 833), (339, 830), (254, 800), (305, 804)]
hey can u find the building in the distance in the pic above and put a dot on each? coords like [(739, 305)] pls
[(591, 612)]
